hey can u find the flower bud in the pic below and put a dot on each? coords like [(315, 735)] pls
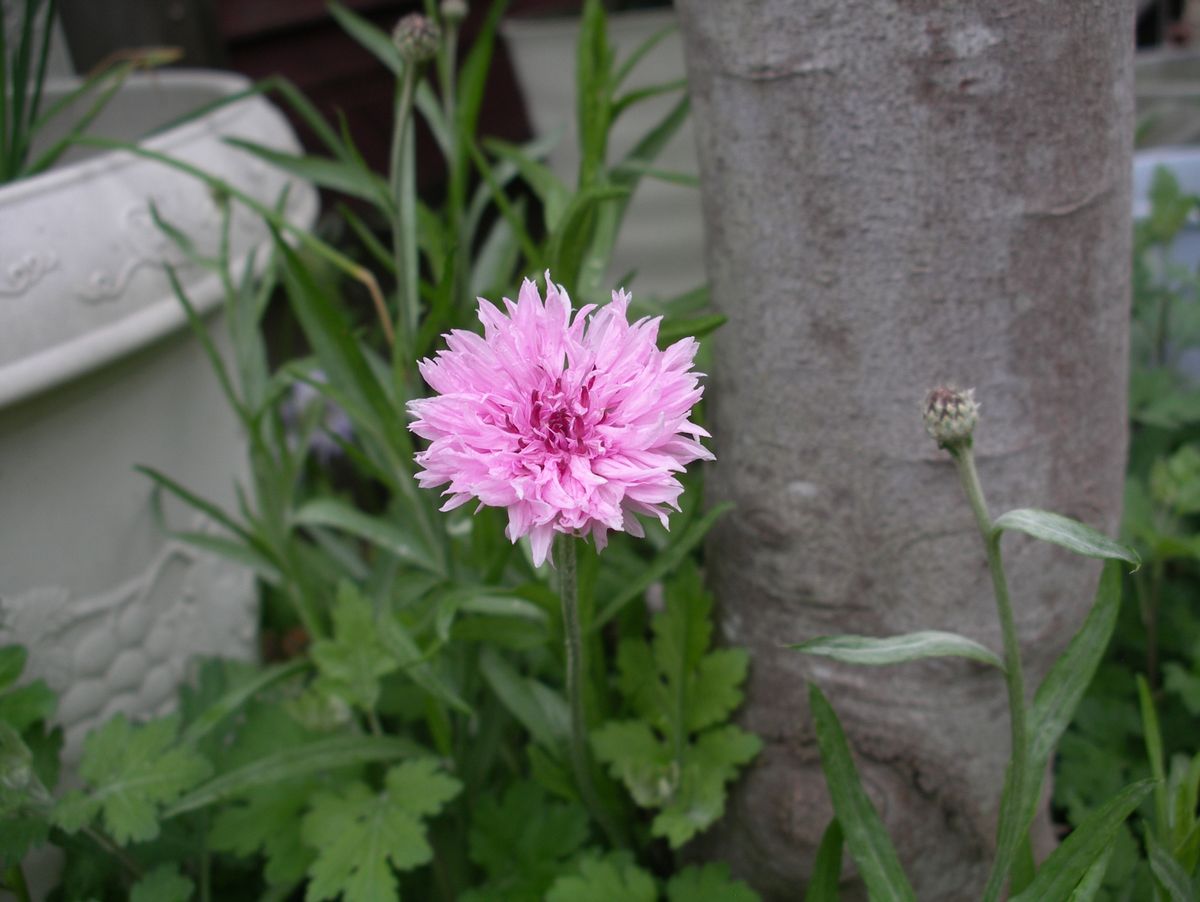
[(454, 11), (416, 37), (950, 416)]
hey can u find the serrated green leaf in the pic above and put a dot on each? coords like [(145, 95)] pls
[(351, 663), (715, 692), (867, 650), (1065, 532), (268, 820), (827, 867), (713, 760), (711, 882), (1070, 862), (606, 879), (361, 837), (18, 835), (639, 759), (132, 773), (865, 835), (163, 884), (521, 840)]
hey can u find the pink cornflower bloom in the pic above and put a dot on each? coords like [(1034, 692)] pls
[(574, 424)]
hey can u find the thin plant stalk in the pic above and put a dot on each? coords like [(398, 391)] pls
[(1013, 801), (573, 640), (400, 178)]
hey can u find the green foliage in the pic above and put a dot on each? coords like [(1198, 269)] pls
[(523, 840), (163, 884), (679, 755), (351, 663), (132, 773), (602, 879), (361, 835)]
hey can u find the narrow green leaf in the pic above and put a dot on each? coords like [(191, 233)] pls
[(1070, 862), (898, 649), (337, 175), (233, 700), (541, 710), (1152, 736), (864, 832), (378, 43), (296, 761), (1060, 530), (640, 95), (1168, 873), (630, 63), (1059, 694), (667, 561), (340, 515), (827, 868), (1093, 879), (673, 329)]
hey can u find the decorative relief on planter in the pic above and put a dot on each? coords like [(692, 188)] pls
[(25, 271), (126, 649)]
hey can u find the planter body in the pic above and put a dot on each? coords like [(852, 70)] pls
[(896, 196), (662, 237), (99, 372)]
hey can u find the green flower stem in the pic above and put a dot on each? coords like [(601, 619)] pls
[(1011, 803), (400, 174), (573, 638)]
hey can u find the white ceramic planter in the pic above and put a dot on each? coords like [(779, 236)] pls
[(663, 234), (99, 372)]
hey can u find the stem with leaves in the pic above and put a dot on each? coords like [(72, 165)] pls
[(1011, 805)]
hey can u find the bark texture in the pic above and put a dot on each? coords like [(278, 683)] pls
[(899, 193)]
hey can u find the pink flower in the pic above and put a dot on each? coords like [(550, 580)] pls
[(575, 424)]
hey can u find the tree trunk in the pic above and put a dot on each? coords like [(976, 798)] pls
[(900, 193)]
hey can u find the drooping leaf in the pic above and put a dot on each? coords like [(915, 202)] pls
[(871, 651), (1065, 532), (361, 837), (1169, 873), (268, 821), (865, 835)]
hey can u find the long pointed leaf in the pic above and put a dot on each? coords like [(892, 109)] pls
[(339, 515), (233, 700), (296, 761), (873, 652), (866, 837), (1063, 531), (827, 868), (1070, 862), (1059, 694)]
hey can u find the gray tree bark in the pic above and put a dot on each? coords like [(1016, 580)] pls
[(899, 193)]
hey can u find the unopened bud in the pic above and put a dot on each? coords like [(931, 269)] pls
[(416, 37), (454, 11), (951, 415)]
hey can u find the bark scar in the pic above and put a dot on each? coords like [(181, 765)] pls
[(1074, 206)]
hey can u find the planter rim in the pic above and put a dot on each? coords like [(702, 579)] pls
[(70, 358)]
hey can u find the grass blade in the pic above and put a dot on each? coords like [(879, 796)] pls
[(873, 652)]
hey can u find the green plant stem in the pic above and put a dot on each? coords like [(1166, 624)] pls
[(1012, 803), (104, 842), (573, 639), (406, 315)]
